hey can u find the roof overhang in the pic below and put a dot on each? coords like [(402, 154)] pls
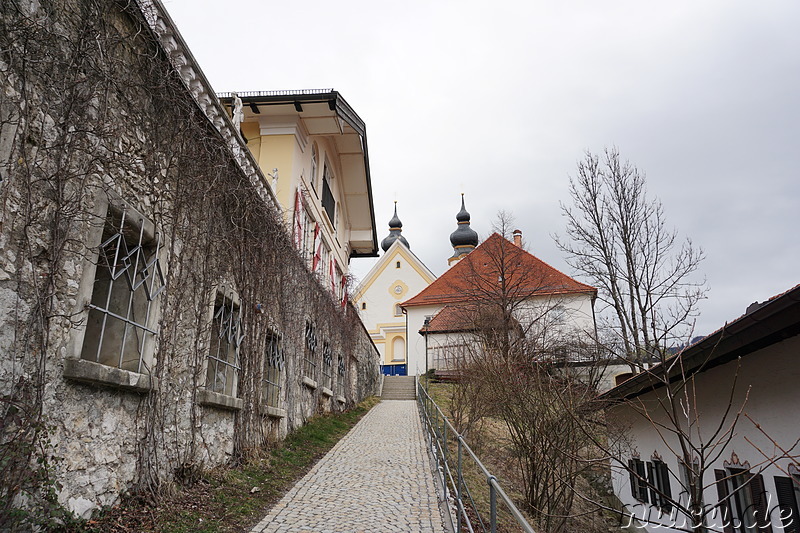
[(325, 113), (773, 322)]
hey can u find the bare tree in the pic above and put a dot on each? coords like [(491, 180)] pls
[(618, 239), (515, 346)]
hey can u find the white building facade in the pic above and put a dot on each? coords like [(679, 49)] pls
[(741, 424)]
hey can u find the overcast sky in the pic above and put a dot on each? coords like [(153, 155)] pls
[(499, 100)]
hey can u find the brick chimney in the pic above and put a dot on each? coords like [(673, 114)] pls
[(518, 238)]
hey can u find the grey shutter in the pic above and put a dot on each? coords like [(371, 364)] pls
[(642, 480), (663, 474), (759, 495), (634, 481), (787, 502), (652, 478), (724, 502)]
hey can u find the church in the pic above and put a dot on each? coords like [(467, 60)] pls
[(419, 322), (396, 276)]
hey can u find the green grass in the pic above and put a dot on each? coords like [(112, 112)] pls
[(223, 501)]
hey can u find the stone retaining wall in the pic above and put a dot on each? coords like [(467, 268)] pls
[(95, 122)]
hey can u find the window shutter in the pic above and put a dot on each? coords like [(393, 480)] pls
[(724, 502), (653, 481), (663, 472), (634, 481), (759, 495), (642, 480), (787, 502)]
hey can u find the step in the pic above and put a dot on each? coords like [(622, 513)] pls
[(399, 388)]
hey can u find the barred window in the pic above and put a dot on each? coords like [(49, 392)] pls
[(128, 281), (310, 358), (342, 376), (274, 363), (327, 366), (223, 355)]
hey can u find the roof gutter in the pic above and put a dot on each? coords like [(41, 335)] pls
[(343, 110), (773, 322)]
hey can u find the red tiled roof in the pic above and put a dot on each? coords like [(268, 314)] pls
[(448, 320), (479, 273)]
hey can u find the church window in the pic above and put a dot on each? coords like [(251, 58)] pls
[(398, 349), (398, 311), (397, 265), (363, 305)]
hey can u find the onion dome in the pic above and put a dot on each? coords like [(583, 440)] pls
[(464, 239), (395, 230)]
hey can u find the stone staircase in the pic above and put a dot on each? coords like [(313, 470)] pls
[(399, 388)]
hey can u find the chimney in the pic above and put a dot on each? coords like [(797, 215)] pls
[(518, 238)]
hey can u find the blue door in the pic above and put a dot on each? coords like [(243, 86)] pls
[(394, 370)]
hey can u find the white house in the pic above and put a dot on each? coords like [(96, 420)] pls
[(437, 325), (738, 413)]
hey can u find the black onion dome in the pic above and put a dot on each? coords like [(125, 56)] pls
[(395, 228), (463, 235)]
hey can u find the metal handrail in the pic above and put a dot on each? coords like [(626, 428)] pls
[(437, 438)]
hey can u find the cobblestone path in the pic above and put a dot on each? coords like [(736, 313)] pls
[(376, 479)]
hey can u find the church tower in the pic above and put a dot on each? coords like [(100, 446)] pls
[(397, 276), (464, 239), (395, 230)]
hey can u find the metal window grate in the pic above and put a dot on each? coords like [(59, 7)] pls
[(275, 362), (128, 281), (310, 359), (223, 354), (327, 364), (341, 370)]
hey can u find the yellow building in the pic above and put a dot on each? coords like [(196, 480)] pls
[(397, 276), (313, 147)]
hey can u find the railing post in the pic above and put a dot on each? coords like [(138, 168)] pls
[(492, 504)]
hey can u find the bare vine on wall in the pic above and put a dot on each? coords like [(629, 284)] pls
[(91, 106)]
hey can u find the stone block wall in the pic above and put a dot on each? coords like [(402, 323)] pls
[(114, 181)]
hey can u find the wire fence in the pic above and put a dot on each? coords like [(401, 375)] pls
[(473, 494)]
